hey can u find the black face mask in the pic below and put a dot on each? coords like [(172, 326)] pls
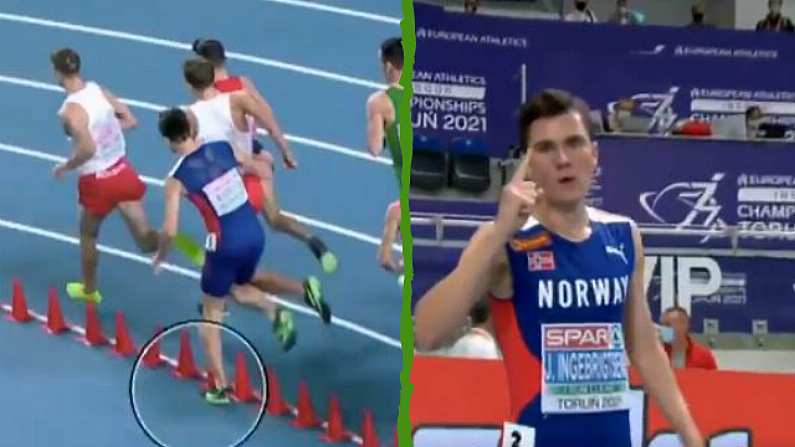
[(698, 17), (581, 6)]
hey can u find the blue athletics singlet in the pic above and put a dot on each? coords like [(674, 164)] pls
[(562, 336)]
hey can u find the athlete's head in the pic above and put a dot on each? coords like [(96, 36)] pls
[(65, 64), (555, 127), (199, 74), (210, 49), (174, 126), (392, 58)]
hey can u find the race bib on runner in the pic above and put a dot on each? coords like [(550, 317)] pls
[(584, 368), (226, 193), (514, 435)]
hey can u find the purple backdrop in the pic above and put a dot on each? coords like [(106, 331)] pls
[(468, 71), (669, 183)]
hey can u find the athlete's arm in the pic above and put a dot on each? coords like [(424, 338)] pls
[(173, 192), (123, 113), (649, 359), (75, 121), (263, 115), (483, 265), (244, 158), (443, 310), (249, 87), (375, 123), (391, 227)]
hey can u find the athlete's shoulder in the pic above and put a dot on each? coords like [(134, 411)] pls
[(73, 113), (378, 98), (624, 225), (221, 146), (606, 217), (246, 82), (396, 87), (98, 86), (174, 169), (393, 211), (530, 224), (239, 98)]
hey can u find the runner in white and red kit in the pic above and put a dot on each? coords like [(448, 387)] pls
[(94, 120), (260, 186)]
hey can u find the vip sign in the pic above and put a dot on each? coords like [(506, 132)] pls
[(678, 285)]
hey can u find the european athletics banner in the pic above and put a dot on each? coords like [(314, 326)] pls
[(710, 184), (472, 72)]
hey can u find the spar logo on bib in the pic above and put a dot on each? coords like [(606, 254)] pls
[(585, 368)]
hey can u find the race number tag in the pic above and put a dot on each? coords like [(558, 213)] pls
[(514, 435), (226, 193), (584, 368), (211, 242)]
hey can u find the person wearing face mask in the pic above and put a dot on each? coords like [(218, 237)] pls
[(623, 15), (582, 13), (775, 21), (682, 350)]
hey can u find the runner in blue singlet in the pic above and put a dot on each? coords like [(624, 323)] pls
[(568, 299), (210, 176)]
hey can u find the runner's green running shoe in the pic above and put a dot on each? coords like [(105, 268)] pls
[(218, 397), (77, 292), (284, 329), (314, 299)]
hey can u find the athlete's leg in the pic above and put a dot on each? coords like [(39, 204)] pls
[(277, 284), (250, 296), (277, 219), (95, 205), (281, 318), (89, 257), (283, 223), (310, 290), (213, 309), (217, 278), (134, 215)]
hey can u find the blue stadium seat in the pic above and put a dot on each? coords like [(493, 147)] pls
[(428, 164), (470, 165)]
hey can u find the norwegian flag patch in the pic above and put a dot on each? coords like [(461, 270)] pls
[(540, 261)]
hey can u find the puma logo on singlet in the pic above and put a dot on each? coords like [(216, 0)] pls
[(618, 251), (566, 293)]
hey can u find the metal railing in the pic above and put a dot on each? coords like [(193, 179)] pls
[(733, 233)]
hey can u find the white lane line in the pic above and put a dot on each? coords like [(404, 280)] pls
[(353, 327), (104, 32), (338, 10), (22, 82), (160, 183)]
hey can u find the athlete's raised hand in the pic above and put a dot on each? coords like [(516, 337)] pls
[(518, 199)]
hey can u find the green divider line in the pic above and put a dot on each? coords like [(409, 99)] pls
[(406, 144)]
